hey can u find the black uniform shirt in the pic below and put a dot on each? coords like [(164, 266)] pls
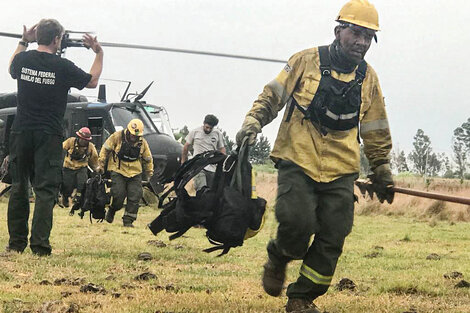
[(44, 80)]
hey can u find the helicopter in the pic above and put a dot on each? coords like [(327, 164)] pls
[(104, 118)]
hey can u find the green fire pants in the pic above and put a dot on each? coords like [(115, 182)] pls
[(35, 156), (306, 208), (74, 179), (130, 187)]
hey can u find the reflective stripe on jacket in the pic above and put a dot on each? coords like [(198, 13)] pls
[(91, 159), (128, 169), (323, 158)]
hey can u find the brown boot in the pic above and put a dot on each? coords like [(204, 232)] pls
[(273, 278), (301, 306)]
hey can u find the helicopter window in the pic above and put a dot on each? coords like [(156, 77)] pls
[(123, 115), (95, 124), (160, 119)]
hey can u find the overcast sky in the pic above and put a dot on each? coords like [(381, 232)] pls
[(421, 56)]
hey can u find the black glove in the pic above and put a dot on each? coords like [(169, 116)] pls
[(382, 182)]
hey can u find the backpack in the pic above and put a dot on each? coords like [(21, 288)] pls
[(227, 210), (93, 198)]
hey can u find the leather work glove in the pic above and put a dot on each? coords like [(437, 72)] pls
[(251, 127), (382, 182)]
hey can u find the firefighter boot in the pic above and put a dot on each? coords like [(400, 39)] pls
[(273, 278), (301, 306)]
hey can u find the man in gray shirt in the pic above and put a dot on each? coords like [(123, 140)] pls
[(204, 138)]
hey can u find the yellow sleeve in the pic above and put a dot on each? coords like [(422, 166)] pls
[(68, 143), (108, 146), (147, 159), (276, 93), (93, 160), (375, 131)]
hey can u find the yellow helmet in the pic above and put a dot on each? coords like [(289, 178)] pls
[(136, 127), (359, 12)]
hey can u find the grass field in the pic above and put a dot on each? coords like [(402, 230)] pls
[(385, 256)]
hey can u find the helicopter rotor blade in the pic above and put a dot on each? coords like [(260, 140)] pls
[(78, 32), (79, 43), (11, 35), (234, 56)]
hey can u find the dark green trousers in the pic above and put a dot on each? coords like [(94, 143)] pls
[(306, 208), (35, 156), (73, 179), (131, 188)]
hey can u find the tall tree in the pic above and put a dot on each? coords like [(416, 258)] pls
[(398, 161), (421, 152), (464, 134), (460, 150), (449, 172), (181, 134), (434, 164), (259, 152), (229, 143)]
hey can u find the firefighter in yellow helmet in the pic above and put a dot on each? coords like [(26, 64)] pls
[(129, 161), (332, 98), (79, 153)]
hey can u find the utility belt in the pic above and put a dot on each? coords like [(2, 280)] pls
[(336, 104)]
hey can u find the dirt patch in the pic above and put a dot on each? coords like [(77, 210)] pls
[(433, 256), (156, 243), (145, 276), (404, 290), (345, 284), (92, 288), (372, 255), (453, 275), (144, 256), (462, 284), (169, 287), (69, 281)]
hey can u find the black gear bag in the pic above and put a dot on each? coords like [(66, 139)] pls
[(227, 211), (93, 199)]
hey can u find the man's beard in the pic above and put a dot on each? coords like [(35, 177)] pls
[(340, 61)]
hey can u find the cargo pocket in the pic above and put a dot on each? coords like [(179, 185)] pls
[(55, 172), (12, 173), (349, 215)]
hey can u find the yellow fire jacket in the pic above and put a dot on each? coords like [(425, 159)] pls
[(91, 155), (109, 153), (323, 157)]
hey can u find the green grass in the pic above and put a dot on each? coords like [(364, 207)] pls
[(384, 256)]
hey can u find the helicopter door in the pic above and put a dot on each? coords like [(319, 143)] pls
[(3, 148), (95, 124)]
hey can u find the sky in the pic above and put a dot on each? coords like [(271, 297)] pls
[(421, 56)]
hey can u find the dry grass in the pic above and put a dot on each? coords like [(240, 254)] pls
[(403, 205), (385, 256)]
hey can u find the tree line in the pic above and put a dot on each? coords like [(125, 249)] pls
[(422, 160)]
